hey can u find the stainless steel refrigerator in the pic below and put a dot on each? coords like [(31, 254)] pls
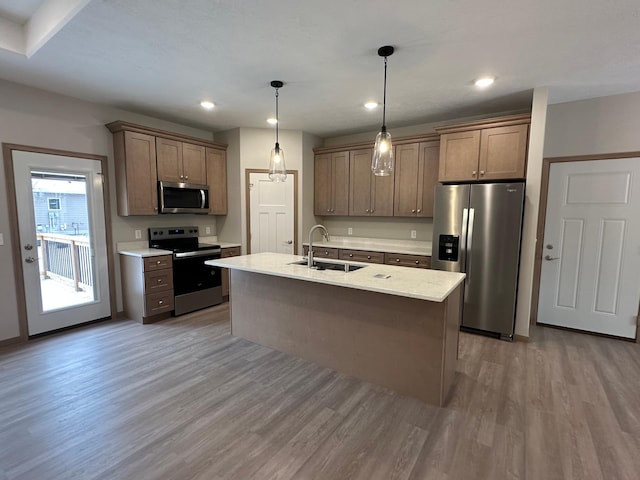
[(477, 230)]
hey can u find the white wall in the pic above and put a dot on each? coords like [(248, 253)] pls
[(599, 125), (531, 207), (37, 118)]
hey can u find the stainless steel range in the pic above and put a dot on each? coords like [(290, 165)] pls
[(195, 284)]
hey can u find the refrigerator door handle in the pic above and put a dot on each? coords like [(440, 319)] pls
[(463, 239), (469, 244)]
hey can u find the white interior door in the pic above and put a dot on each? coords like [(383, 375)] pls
[(591, 253), (271, 214), (62, 240)]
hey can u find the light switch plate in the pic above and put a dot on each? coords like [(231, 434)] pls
[(207, 230), (349, 231), (138, 234), (413, 234), (1, 238)]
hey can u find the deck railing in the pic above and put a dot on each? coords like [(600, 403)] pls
[(67, 257)]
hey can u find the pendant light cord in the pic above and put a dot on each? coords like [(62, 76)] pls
[(384, 96), (277, 119)]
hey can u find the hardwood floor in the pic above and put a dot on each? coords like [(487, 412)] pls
[(182, 399)]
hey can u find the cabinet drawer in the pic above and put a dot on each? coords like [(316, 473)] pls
[(404, 260), (230, 252), (322, 252), (159, 302), (157, 263), (361, 256), (158, 280)]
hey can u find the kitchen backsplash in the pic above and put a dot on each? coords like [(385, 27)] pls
[(383, 227)]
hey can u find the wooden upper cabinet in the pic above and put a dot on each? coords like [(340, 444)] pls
[(180, 162), (331, 184), (493, 149), (503, 152), (217, 180), (136, 180), (429, 160), (369, 195), (459, 156), (169, 160)]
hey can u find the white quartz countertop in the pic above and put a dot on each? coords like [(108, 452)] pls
[(407, 247), (228, 245), (145, 252), (423, 284)]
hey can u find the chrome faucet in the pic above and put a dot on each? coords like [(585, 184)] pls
[(325, 234)]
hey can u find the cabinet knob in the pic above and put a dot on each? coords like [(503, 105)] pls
[(326, 253), (159, 280), (368, 257), (417, 262), (474, 173), (328, 209), (160, 302), (372, 210), (397, 259), (367, 210), (186, 177), (481, 172), (419, 210), (181, 176), (413, 211), (351, 254), (158, 262)]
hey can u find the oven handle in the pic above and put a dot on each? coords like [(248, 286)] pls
[(200, 253)]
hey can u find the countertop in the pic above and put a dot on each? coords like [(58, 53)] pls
[(140, 248), (423, 284), (407, 247)]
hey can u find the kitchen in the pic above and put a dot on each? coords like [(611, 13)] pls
[(599, 125)]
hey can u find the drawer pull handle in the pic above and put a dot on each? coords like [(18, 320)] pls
[(417, 262), (159, 280), (368, 257), (158, 262), (397, 259), (351, 254)]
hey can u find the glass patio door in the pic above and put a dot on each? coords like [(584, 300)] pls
[(62, 240)]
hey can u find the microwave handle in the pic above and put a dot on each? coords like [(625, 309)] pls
[(203, 199)]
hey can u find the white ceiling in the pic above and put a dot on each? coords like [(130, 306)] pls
[(162, 57)]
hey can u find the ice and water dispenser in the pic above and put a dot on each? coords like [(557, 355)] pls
[(448, 247)]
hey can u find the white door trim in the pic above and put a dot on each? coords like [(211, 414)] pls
[(294, 176), (542, 215), (7, 150)]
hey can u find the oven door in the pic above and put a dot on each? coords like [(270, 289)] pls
[(195, 284)]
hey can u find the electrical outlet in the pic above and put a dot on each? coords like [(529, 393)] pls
[(349, 231), (207, 230), (413, 234), (138, 234)]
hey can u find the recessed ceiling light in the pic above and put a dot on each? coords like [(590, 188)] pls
[(484, 82), (207, 105), (272, 120), (371, 105)]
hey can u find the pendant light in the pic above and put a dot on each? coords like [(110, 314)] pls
[(382, 161), (277, 168)]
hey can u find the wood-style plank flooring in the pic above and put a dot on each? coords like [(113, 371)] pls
[(182, 399)]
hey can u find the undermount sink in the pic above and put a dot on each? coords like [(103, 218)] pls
[(342, 267)]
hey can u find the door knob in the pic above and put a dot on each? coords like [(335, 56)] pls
[(289, 242), (549, 257), (30, 260)]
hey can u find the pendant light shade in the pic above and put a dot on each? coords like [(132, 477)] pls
[(382, 161), (277, 168)]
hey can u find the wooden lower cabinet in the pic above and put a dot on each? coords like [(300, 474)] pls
[(361, 256), (404, 260), (147, 287), (401, 259), (227, 252)]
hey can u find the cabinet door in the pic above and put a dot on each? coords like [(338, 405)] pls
[(360, 183), (382, 189), (194, 165), (169, 157), (340, 183), (217, 181), (407, 173), (139, 184), (503, 152), (429, 159), (459, 153), (322, 185)]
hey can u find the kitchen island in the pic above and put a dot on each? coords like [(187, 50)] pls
[(394, 326)]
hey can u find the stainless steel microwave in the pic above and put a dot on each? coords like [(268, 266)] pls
[(183, 198)]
